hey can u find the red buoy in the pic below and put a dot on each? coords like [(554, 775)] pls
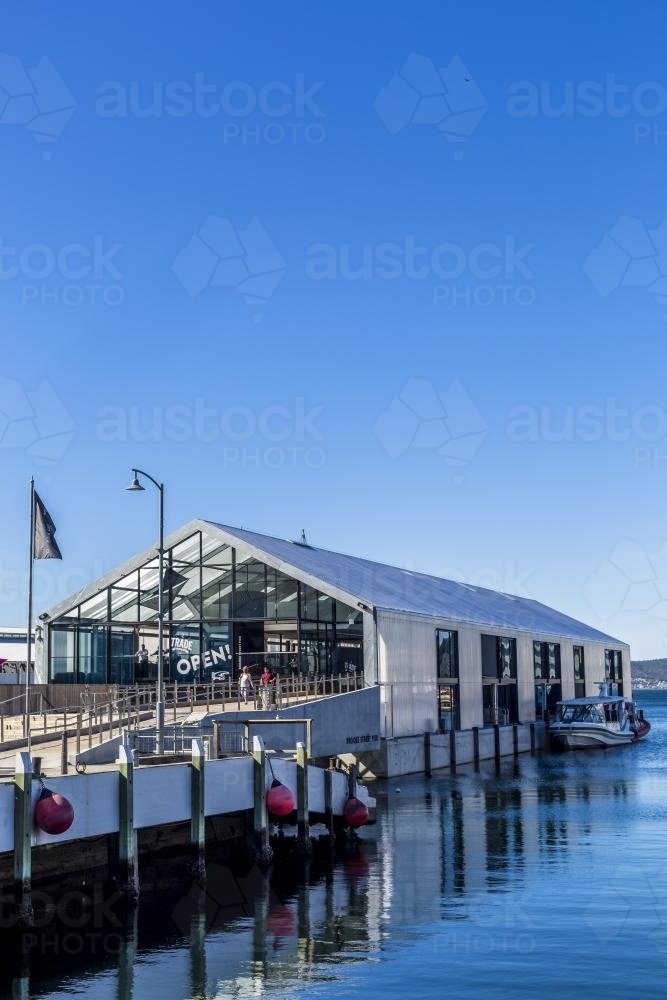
[(355, 812), (54, 813), (279, 800)]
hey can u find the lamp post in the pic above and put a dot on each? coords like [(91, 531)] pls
[(135, 486)]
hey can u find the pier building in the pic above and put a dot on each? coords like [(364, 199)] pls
[(446, 656)]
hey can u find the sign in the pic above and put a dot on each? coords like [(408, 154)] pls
[(192, 665)]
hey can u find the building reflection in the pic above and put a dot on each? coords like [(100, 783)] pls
[(436, 851)]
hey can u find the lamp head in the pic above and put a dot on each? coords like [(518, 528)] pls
[(135, 485)]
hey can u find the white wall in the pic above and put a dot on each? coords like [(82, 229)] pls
[(407, 665)]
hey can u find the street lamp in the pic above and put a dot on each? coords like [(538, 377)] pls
[(135, 486)]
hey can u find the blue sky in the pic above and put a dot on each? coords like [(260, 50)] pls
[(579, 524)]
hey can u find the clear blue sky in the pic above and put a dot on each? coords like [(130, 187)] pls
[(320, 165)]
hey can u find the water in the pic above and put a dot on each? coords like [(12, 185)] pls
[(550, 878)]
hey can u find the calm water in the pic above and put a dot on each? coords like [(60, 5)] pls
[(548, 878)]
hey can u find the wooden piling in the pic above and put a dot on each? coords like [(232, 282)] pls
[(128, 880), (302, 814), (23, 838), (452, 751), (197, 813), (475, 747), (427, 755), (328, 802), (262, 850)]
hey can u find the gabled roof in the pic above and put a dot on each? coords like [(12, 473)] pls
[(393, 589), (359, 581)]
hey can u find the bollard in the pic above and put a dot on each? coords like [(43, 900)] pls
[(475, 747), (23, 838), (427, 755), (128, 882), (198, 814), (302, 814)]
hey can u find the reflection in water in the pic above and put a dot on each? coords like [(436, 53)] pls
[(468, 880)]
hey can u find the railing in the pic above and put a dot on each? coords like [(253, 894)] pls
[(127, 706)]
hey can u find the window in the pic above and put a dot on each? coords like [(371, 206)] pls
[(579, 672), (546, 661), (447, 649), (498, 657), (613, 668), (448, 653)]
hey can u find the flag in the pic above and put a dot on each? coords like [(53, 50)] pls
[(46, 546)]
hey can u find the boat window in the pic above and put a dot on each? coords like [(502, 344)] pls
[(567, 713)]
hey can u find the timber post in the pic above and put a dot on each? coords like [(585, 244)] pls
[(23, 838), (198, 811), (262, 849), (302, 813), (128, 881)]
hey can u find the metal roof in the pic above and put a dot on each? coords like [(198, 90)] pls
[(375, 585), (391, 588)]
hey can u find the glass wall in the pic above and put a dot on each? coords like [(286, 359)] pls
[(500, 703), (222, 610), (579, 672), (613, 669), (546, 661), (449, 713)]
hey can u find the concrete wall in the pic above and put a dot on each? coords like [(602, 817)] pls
[(406, 755), (342, 722)]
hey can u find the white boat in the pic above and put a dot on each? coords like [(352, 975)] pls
[(602, 721)]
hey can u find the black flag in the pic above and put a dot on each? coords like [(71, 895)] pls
[(46, 546)]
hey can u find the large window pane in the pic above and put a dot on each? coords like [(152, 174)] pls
[(62, 655), (448, 660), (250, 591)]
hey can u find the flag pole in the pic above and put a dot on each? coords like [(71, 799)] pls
[(31, 550)]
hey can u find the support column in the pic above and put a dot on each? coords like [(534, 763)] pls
[(23, 838), (496, 744), (475, 747), (302, 813), (128, 880), (262, 850), (198, 814)]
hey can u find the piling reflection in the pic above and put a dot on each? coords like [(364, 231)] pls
[(440, 854)]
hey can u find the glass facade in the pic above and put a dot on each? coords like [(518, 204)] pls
[(546, 662), (613, 668), (579, 672), (223, 610), (449, 712), (500, 703)]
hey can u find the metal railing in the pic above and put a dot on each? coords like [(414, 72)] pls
[(128, 705)]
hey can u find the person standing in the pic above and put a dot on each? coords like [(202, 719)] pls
[(265, 681), (245, 684)]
